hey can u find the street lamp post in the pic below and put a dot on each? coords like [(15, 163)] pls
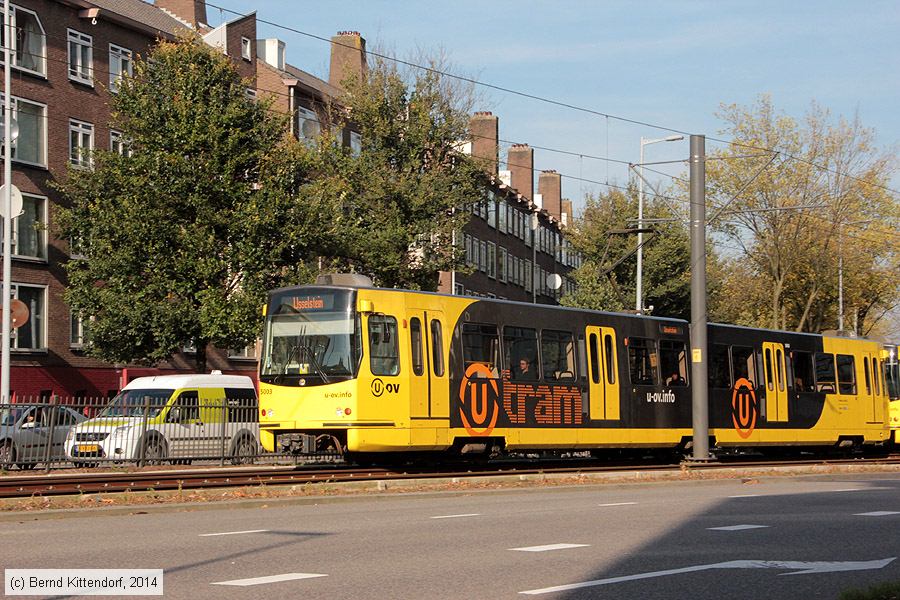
[(7, 205), (841, 271), (639, 293)]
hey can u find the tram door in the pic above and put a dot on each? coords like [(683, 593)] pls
[(418, 363), (428, 388), (870, 393), (604, 380), (776, 384)]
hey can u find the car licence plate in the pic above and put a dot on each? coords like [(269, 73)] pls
[(88, 448)]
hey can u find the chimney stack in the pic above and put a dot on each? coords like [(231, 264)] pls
[(484, 128), (550, 188), (520, 160), (348, 58), (192, 11)]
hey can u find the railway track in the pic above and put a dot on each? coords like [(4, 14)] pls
[(17, 486)]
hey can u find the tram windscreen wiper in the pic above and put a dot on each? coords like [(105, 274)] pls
[(310, 355)]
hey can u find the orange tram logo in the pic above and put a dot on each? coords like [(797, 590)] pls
[(522, 403), (744, 410), (478, 396)]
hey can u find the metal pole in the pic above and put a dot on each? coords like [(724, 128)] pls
[(840, 277), (699, 355), (639, 292), (534, 265), (7, 204)]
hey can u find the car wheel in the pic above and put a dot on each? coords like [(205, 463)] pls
[(154, 451), (244, 451), (7, 455)]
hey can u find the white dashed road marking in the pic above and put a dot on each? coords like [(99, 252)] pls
[(550, 547), (745, 496), (877, 513), (618, 504), (234, 532), (457, 516), (736, 527), (269, 579)]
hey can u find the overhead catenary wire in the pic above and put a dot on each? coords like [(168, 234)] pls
[(543, 98)]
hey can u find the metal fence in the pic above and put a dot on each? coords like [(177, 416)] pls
[(155, 430)]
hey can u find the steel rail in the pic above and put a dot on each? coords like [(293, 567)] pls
[(14, 486)]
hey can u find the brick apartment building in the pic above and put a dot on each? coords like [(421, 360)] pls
[(67, 56), (515, 239)]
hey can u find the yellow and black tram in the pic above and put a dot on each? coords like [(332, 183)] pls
[(366, 371), (891, 360)]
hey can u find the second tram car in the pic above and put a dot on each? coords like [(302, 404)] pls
[(365, 371)]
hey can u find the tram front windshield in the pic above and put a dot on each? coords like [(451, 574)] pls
[(315, 344)]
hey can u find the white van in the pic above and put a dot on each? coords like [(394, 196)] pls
[(174, 418)]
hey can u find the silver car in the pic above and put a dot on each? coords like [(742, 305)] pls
[(25, 433)]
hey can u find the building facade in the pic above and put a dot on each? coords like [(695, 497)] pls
[(514, 242), (67, 58)]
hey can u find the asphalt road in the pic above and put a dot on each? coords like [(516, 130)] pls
[(808, 537)]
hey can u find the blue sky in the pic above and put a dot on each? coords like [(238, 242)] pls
[(665, 63)]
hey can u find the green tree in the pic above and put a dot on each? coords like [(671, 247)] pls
[(602, 285), (180, 238), (821, 195), (398, 199)]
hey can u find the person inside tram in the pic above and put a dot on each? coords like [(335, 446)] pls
[(524, 370), (675, 379)]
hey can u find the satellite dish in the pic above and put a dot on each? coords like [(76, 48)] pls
[(16, 201), (554, 281), (13, 131), (18, 313)]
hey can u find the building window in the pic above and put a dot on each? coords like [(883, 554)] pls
[(30, 336), (246, 353), (501, 264), (250, 94), (355, 143), (459, 290), (80, 333), (81, 143), (306, 125), (482, 256), (31, 145), (118, 143), (492, 260), (246, 49), (81, 57), (29, 229), (29, 45), (119, 65)]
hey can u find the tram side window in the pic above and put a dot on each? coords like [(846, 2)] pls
[(673, 361), (609, 353), (642, 361), (415, 345), (595, 359), (743, 364), (520, 351), (481, 345), (846, 369), (437, 348), (825, 372), (383, 348), (719, 373), (803, 371), (557, 355), (866, 373)]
